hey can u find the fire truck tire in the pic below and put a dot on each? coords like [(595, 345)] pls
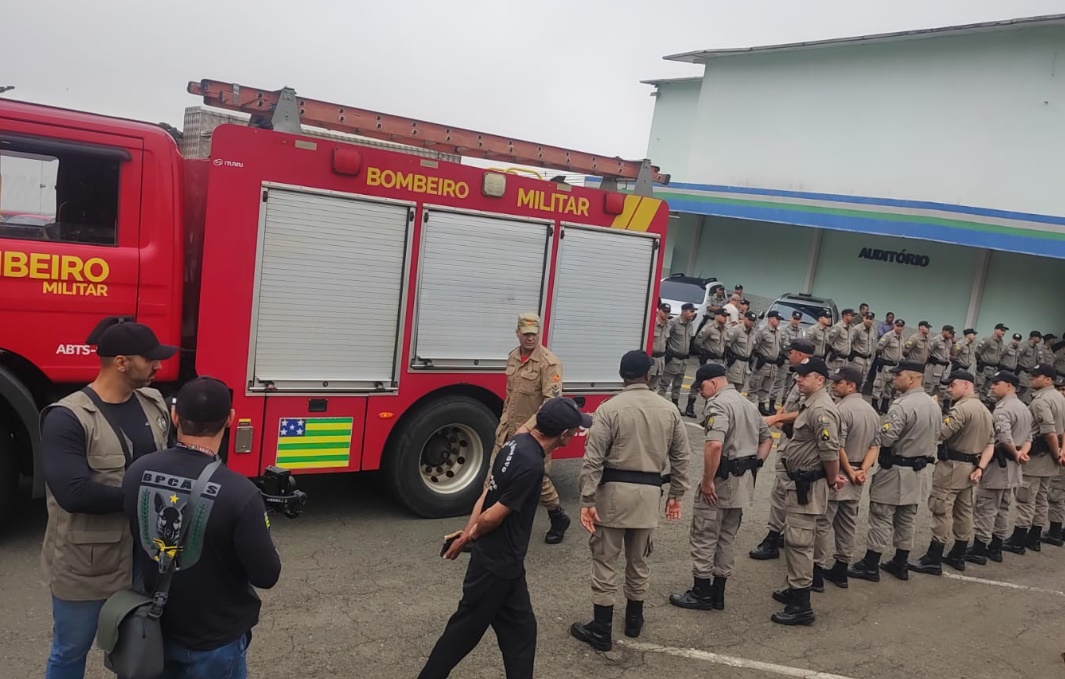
[(436, 464), (9, 475)]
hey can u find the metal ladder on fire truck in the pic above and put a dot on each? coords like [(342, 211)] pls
[(283, 111)]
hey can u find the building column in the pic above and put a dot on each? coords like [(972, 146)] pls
[(976, 295), (693, 252), (815, 260)]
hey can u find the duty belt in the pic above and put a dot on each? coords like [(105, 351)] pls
[(684, 356), (887, 460), (945, 453), (657, 354), (804, 481), (738, 466), (888, 363), (1040, 447), (1002, 456), (612, 475)]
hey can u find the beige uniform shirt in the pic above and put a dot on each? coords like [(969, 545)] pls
[(1010, 355), (681, 333), (529, 384), (967, 429), (815, 442), (767, 343), (889, 348), (989, 350), (741, 342), (963, 354), (862, 340), (1048, 417), (637, 430), (736, 423), (917, 347), (1028, 356), (838, 339), (912, 430), (939, 348), (789, 332), (818, 335), (712, 339), (1013, 424), (661, 335), (857, 431)]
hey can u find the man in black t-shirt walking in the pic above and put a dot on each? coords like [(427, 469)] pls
[(495, 592), (227, 551)]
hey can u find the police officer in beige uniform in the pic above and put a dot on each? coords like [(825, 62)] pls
[(681, 333), (1048, 425), (857, 434), (917, 348), (811, 458), (737, 442), (907, 442), (961, 356), (889, 352), (635, 440), (1056, 495), (967, 433), (766, 356), (939, 350), (785, 379), (534, 374), (1028, 358), (1011, 354), (818, 333), (838, 340), (988, 354), (738, 351), (769, 548), (711, 344), (999, 479), (658, 348), (863, 343)]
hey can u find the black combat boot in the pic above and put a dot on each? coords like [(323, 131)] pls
[(798, 611), (956, 557), (768, 548), (977, 554), (676, 402), (596, 633), (1055, 536), (866, 569), (559, 524), (718, 593), (994, 549), (898, 566), (785, 595), (763, 410), (837, 575), (690, 410), (1015, 542), (819, 580), (699, 598), (772, 407), (932, 562), (633, 618), (1032, 542)]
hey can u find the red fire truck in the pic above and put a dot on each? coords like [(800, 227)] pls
[(360, 301)]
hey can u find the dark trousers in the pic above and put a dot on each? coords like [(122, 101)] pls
[(488, 599)]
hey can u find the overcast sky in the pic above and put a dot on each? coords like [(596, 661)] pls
[(565, 73)]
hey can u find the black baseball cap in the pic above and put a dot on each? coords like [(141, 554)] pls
[(963, 375), (635, 364), (773, 314), (847, 312), (1050, 336), (847, 373), (869, 314), (924, 324), (561, 413), (687, 306), (126, 338), (824, 313), (1044, 370), (812, 365), (1006, 376), (751, 316), (664, 306), (1035, 333), (204, 400), (1001, 326), (802, 345), (797, 315), (1016, 335), (899, 322), (948, 328), (969, 331), (708, 371), (721, 312), (914, 366)]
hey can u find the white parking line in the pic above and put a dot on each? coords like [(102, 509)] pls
[(731, 661), (999, 583)]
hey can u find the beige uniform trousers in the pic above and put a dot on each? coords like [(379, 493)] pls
[(1056, 498), (1032, 502), (890, 525), (713, 539), (952, 511), (607, 545), (883, 386), (673, 378), (800, 531), (836, 533), (991, 516), (777, 497)]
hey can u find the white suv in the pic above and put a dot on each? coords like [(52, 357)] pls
[(679, 289)]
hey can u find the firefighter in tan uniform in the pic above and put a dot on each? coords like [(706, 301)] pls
[(811, 458), (967, 433), (637, 443), (737, 443), (534, 375), (658, 348)]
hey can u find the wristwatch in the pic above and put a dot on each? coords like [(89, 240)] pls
[(982, 469)]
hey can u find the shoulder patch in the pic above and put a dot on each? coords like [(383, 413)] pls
[(825, 435), (887, 426), (946, 420)]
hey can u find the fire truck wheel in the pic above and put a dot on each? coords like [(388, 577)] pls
[(8, 474), (437, 462)]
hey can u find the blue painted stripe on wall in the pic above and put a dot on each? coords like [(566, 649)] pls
[(917, 230)]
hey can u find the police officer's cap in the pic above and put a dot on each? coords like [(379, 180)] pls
[(708, 372), (1049, 336), (751, 316), (773, 314), (635, 364), (802, 345), (847, 312), (912, 366), (665, 306), (129, 339), (1035, 333), (561, 413), (687, 306), (1007, 376), (812, 365), (899, 322), (1044, 370), (1016, 335), (847, 373), (969, 331), (824, 313), (1001, 326), (869, 314), (924, 324), (948, 328), (797, 315), (963, 375), (721, 312)]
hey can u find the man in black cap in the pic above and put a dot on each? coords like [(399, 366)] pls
[(678, 347), (838, 340), (494, 591), (1046, 349), (889, 353), (658, 348), (88, 439), (784, 379), (907, 442), (988, 353), (962, 354), (939, 350), (1013, 439), (765, 354), (636, 444), (1027, 359), (227, 551), (863, 343), (711, 345), (818, 333), (738, 351), (1010, 355)]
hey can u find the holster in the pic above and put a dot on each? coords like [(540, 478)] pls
[(1002, 456), (738, 466), (730, 357), (1039, 447), (888, 459), (759, 361), (788, 429), (941, 452), (831, 355), (780, 360), (804, 481)]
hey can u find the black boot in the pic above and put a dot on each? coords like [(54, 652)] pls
[(819, 580), (768, 548), (932, 562), (763, 410), (772, 407), (1055, 536), (994, 549), (785, 595), (690, 410), (676, 402), (699, 598), (597, 632), (633, 618), (798, 611), (1015, 542), (559, 524), (956, 557), (898, 566), (885, 405), (837, 575), (977, 554), (866, 569), (719, 593), (1032, 542)]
